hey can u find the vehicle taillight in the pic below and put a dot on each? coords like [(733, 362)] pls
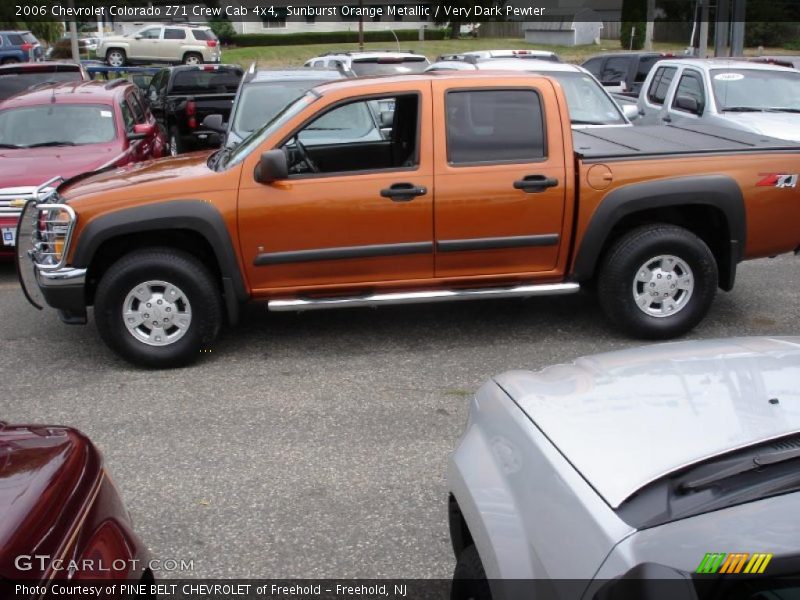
[(191, 111), (211, 43), (26, 47)]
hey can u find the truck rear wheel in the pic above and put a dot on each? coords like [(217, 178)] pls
[(657, 281), (158, 308)]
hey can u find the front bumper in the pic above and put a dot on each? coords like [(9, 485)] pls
[(65, 290)]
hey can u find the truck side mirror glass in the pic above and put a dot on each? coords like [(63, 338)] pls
[(387, 118), (687, 103), (272, 166)]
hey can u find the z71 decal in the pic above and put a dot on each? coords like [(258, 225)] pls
[(778, 180)]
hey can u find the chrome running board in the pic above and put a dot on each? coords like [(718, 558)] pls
[(522, 291)]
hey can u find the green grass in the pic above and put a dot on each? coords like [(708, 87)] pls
[(295, 56)]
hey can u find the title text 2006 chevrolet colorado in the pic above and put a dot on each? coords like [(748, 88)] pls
[(478, 188)]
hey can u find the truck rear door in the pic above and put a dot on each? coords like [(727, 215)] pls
[(500, 177)]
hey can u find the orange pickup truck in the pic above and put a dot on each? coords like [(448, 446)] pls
[(409, 189)]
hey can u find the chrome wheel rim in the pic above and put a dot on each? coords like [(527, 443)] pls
[(663, 286), (115, 59), (157, 313), (192, 60)]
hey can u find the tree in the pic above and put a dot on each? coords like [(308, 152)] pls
[(47, 31), (223, 29), (634, 18)]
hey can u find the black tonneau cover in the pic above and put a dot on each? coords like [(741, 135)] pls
[(660, 140)]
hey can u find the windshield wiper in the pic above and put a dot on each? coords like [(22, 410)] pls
[(782, 109), (745, 465), (54, 143), (10, 146), (741, 109)]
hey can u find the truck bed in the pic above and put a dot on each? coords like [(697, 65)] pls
[(661, 140)]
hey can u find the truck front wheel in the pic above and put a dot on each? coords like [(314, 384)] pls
[(158, 308), (657, 281)]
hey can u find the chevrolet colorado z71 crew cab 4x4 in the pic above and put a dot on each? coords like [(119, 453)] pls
[(478, 188)]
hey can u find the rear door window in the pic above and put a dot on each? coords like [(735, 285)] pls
[(659, 86), (494, 126), (171, 33)]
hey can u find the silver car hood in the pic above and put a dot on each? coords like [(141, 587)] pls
[(625, 419), (784, 126)]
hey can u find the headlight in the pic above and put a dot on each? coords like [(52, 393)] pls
[(54, 231)]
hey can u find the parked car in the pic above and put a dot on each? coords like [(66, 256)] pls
[(66, 129), (624, 72), (590, 105), (501, 54), (59, 508), (759, 98), (631, 466), (262, 95), (18, 77), (367, 64), (187, 44), (181, 97), (19, 46), (525, 206)]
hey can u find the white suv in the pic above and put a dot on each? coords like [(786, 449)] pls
[(366, 64), (190, 45)]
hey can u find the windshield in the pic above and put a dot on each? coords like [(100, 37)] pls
[(235, 155), (13, 83), (588, 102), (388, 66), (756, 89), (56, 124), (259, 103)]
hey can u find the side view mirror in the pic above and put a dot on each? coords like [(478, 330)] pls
[(631, 111), (687, 103), (141, 131), (137, 37), (214, 123), (272, 166), (387, 118), (649, 581)]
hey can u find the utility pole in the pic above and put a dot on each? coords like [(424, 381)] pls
[(73, 34), (360, 26), (648, 32)]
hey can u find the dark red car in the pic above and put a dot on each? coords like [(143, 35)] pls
[(63, 130), (60, 510)]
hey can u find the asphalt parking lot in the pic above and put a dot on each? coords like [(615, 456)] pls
[(314, 445)]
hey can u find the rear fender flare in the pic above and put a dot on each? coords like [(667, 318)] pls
[(717, 191)]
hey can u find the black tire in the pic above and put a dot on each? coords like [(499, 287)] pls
[(469, 578), (174, 267), (9, 61), (113, 51), (189, 57), (620, 269), (175, 145)]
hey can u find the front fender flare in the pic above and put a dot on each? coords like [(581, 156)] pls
[(197, 216)]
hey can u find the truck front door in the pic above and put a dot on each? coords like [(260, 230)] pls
[(357, 206), (500, 177)]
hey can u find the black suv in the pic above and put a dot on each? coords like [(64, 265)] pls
[(624, 70)]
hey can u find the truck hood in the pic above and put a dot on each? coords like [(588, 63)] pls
[(34, 166), (784, 126), (187, 175), (47, 477), (625, 419)]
